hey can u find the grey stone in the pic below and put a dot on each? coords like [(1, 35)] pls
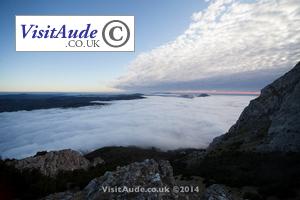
[(271, 122), (217, 192), (146, 174), (50, 163)]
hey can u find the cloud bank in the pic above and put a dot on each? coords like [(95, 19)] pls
[(164, 122), (229, 38)]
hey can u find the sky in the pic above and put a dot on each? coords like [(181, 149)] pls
[(180, 45)]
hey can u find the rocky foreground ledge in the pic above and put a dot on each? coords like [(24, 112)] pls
[(146, 174), (149, 173), (68, 174)]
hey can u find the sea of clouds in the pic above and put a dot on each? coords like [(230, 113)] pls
[(163, 122)]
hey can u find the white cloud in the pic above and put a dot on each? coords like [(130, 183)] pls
[(229, 37), (164, 122)]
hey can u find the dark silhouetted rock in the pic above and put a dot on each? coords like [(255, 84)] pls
[(203, 95), (188, 96), (217, 192)]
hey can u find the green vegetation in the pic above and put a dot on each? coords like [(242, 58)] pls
[(26, 184), (275, 174)]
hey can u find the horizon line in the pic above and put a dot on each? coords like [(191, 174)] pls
[(173, 91)]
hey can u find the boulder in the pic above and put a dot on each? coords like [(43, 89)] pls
[(146, 174), (217, 192), (50, 163)]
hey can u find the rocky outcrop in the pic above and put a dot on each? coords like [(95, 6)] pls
[(146, 174), (190, 159), (271, 122), (203, 95), (191, 96), (50, 163), (217, 192)]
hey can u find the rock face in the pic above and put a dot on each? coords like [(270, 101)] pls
[(50, 163), (146, 174), (217, 192), (192, 159), (271, 122)]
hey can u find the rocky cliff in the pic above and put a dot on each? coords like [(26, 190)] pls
[(50, 163), (271, 122)]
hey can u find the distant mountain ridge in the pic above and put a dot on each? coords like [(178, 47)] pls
[(28, 102)]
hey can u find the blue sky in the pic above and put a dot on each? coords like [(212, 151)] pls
[(180, 45), (157, 22)]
